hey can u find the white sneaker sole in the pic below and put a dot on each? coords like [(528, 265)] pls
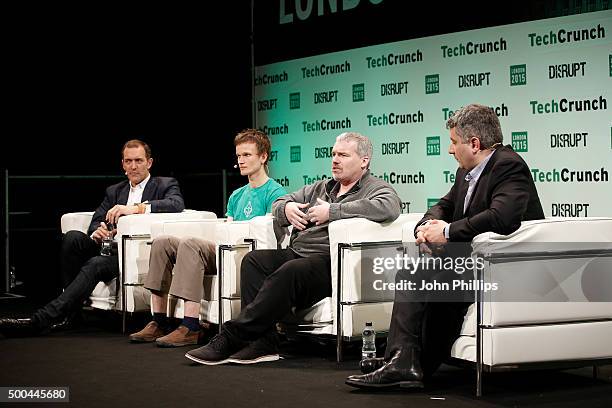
[(206, 362), (261, 359)]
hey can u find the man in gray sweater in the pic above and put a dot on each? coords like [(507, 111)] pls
[(275, 280)]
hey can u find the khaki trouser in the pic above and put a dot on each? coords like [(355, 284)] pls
[(188, 259)]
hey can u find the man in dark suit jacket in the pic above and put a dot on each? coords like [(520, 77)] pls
[(493, 191), (82, 266)]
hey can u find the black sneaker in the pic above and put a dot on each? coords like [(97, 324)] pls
[(259, 351), (215, 352)]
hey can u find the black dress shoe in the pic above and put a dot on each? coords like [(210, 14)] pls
[(20, 328), (403, 371), (367, 365)]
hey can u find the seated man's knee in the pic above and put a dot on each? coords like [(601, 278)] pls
[(161, 242), (73, 239)]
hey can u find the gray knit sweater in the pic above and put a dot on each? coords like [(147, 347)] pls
[(370, 198)]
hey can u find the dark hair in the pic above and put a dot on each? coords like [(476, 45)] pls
[(258, 137), (477, 121), (137, 143)]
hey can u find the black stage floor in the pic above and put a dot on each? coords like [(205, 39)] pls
[(103, 370)]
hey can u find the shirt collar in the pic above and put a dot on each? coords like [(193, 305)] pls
[(141, 185), (474, 174)]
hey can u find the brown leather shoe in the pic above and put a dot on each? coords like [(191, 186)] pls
[(150, 332), (182, 336)]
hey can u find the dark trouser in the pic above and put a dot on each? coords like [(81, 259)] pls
[(432, 325), (271, 283), (82, 267)]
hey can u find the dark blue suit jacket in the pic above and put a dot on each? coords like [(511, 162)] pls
[(504, 195), (163, 193)]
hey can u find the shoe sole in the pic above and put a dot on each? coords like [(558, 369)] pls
[(262, 359), (206, 362), (399, 384), (141, 340)]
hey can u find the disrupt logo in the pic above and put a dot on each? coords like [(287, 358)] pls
[(405, 207), (283, 181), (518, 75), (358, 92), (471, 48), (294, 100), (395, 118), (570, 209), (394, 59), (394, 148), (266, 79), (267, 104), (326, 96), (324, 70), (477, 79), (275, 130), (394, 88), (610, 62), (295, 154), (431, 202), (501, 110), (433, 145), (570, 176), (432, 84), (566, 36), (304, 11), (565, 105), (273, 155), (520, 142), (323, 152), (568, 70), (563, 140)]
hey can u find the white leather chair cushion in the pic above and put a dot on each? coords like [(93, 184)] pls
[(78, 221)]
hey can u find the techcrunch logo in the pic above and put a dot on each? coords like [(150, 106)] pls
[(267, 79), (570, 209), (283, 181), (314, 179), (398, 178), (471, 48), (566, 36), (394, 59), (267, 104), (569, 176), (395, 118), (565, 105), (477, 79), (449, 176), (324, 70), (275, 130), (326, 97), (562, 140), (322, 125), (394, 88), (568, 70), (501, 110)]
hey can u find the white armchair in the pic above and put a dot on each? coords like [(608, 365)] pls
[(547, 303), (233, 240), (133, 232), (353, 303)]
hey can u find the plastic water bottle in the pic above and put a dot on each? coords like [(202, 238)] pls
[(368, 348)]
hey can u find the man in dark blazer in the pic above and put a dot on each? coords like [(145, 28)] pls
[(493, 191), (82, 265)]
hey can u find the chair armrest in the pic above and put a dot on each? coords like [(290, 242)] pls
[(140, 224), (78, 221)]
